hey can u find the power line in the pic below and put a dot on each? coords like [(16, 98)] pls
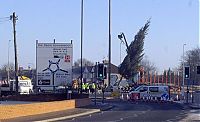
[(4, 20), (5, 17)]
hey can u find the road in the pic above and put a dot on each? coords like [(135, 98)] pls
[(139, 111)]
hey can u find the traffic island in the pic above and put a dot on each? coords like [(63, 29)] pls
[(13, 111), (44, 97)]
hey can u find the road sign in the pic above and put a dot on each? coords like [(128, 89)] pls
[(54, 64)]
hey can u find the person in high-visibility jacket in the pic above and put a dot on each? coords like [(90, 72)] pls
[(83, 87), (87, 87), (93, 87)]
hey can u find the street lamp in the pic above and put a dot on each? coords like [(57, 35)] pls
[(81, 44), (120, 37), (183, 90)]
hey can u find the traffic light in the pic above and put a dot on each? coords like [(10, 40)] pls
[(105, 72), (198, 69), (100, 70), (187, 72)]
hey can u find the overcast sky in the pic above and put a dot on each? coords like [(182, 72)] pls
[(173, 23)]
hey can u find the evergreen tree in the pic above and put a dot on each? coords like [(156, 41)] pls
[(131, 63)]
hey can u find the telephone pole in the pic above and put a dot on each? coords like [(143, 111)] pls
[(14, 18)]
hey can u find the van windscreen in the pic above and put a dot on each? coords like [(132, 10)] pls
[(153, 89)]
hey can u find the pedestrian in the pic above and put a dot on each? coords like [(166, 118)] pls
[(87, 87), (83, 87), (93, 87)]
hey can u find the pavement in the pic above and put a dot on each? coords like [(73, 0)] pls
[(188, 105), (66, 114)]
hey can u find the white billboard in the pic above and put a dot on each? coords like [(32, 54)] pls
[(54, 64)]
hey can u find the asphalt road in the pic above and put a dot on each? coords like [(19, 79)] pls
[(138, 111)]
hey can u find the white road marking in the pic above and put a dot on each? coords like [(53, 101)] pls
[(71, 116)]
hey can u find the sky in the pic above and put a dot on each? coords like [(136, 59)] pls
[(173, 23)]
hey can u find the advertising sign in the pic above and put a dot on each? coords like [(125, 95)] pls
[(54, 64)]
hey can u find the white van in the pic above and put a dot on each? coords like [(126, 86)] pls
[(150, 93), (24, 86)]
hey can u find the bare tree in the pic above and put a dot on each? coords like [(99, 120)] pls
[(148, 65), (85, 63), (4, 70), (192, 60)]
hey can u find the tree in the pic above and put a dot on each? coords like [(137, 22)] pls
[(192, 59), (4, 71), (85, 62), (131, 63), (148, 65)]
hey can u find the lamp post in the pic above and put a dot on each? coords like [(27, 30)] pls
[(183, 90), (120, 37), (81, 44), (109, 35)]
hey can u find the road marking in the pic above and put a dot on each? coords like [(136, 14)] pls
[(135, 115), (143, 112), (71, 116), (169, 121)]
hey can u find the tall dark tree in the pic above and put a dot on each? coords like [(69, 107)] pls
[(131, 62)]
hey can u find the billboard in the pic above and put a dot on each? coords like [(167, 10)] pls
[(54, 64)]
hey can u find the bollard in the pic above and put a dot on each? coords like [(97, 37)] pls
[(127, 97), (122, 96), (177, 97), (143, 98)]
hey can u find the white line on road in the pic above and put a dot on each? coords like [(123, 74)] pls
[(71, 116)]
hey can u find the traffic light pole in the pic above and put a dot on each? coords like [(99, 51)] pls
[(103, 89), (187, 91), (95, 97)]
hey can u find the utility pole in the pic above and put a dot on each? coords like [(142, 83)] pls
[(109, 54), (14, 18)]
